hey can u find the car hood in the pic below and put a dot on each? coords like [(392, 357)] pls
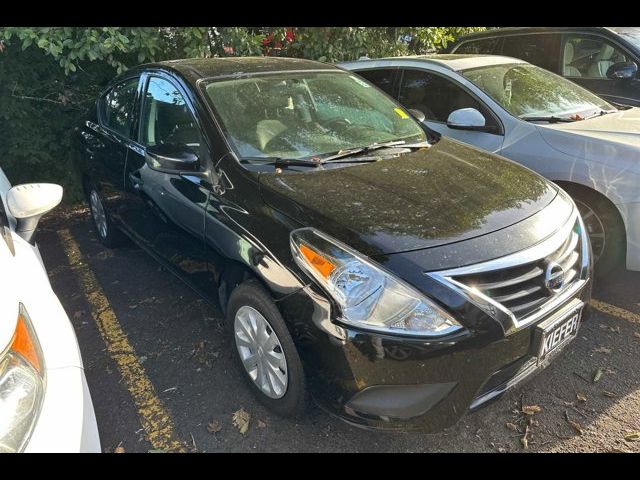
[(430, 197), (612, 136)]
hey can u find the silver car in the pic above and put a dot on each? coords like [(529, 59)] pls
[(536, 118)]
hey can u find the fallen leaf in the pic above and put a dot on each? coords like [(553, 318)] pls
[(530, 409), (602, 350), (261, 424), (119, 450), (241, 420), (620, 450), (512, 426), (609, 394), (577, 427), (524, 442), (214, 426), (581, 397), (597, 374), (632, 436)]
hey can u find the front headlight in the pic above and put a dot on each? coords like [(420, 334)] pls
[(368, 296), (21, 386)]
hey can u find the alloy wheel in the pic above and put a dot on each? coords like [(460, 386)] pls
[(595, 229)]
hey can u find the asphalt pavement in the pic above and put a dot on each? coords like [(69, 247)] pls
[(162, 375)]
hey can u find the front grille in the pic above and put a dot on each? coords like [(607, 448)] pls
[(522, 288)]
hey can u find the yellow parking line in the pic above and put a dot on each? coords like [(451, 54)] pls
[(153, 416), (609, 309)]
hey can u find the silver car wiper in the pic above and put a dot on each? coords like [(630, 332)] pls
[(550, 119), (600, 113), (374, 146)]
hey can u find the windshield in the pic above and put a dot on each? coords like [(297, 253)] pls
[(631, 35), (307, 114), (528, 91)]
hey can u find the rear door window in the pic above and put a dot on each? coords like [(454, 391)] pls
[(117, 107), (382, 78), (485, 46), (541, 49)]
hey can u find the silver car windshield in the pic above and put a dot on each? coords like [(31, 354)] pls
[(298, 115), (525, 90)]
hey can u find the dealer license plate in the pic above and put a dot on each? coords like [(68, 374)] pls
[(555, 333)]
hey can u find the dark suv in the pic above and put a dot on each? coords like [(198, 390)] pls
[(603, 60), (398, 277)]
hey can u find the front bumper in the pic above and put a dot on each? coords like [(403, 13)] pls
[(67, 421), (389, 382), (630, 213)]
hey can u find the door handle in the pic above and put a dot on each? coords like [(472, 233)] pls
[(136, 181)]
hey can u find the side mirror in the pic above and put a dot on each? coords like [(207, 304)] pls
[(170, 158), (29, 202), (466, 119), (418, 114), (622, 70)]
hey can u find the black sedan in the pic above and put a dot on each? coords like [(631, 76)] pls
[(399, 278)]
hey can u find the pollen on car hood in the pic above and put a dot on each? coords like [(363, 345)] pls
[(430, 197)]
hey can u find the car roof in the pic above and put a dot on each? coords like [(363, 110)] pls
[(494, 32), (194, 69), (451, 61)]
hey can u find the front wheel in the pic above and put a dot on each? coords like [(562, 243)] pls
[(265, 350), (605, 229)]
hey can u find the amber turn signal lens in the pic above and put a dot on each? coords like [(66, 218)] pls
[(23, 344), (321, 264)]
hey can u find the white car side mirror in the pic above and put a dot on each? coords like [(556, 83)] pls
[(29, 202), (466, 119)]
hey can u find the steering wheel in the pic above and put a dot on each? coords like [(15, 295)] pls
[(338, 122), (278, 142)]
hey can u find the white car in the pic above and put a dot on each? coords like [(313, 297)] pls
[(45, 405), (536, 118)]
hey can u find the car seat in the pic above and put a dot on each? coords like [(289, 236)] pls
[(602, 61), (569, 70)]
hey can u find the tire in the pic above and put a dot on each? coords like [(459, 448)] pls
[(601, 217), (108, 233), (246, 299)]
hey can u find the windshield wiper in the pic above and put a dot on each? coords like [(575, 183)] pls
[(600, 113), (280, 162), (550, 119), (368, 148)]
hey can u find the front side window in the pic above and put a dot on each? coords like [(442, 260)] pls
[(166, 118), (589, 57), (436, 96), (529, 91), (117, 106), (307, 114)]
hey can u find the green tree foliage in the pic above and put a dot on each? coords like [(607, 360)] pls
[(50, 75)]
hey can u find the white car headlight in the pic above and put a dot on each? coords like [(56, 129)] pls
[(369, 297), (22, 378)]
